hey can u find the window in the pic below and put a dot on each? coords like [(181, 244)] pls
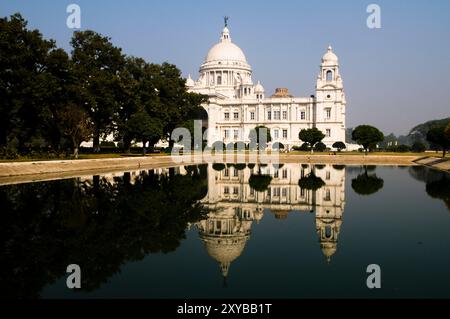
[(252, 115), (328, 132), (284, 133), (276, 115), (285, 173), (276, 134), (226, 172), (329, 76), (276, 174), (328, 195), (302, 192), (252, 192), (236, 134), (269, 115), (276, 192), (227, 133), (219, 80), (328, 113), (328, 175), (235, 190), (226, 190), (235, 173), (284, 115), (302, 115), (227, 116), (284, 192), (236, 116), (328, 232)]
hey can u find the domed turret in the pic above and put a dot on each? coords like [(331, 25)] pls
[(330, 58), (259, 88), (189, 82)]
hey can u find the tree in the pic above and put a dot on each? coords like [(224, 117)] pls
[(34, 79), (439, 135), (260, 136), (311, 136), (76, 125), (98, 65), (367, 136), (339, 146), (143, 128), (418, 147)]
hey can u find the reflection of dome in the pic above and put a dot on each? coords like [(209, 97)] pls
[(225, 249), (281, 214), (225, 50), (330, 57), (328, 249)]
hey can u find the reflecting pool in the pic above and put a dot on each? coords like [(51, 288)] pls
[(230, 231)]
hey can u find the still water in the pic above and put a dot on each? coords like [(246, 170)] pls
[(230, 231)]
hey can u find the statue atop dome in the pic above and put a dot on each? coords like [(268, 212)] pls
[(225, 19)]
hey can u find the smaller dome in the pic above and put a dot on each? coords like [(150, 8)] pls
[(330, 57), (190, 82), (259, 88)]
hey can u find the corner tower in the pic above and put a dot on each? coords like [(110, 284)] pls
[(330, 100)]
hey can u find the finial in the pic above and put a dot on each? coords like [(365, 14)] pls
[(329, 47), (225, 19)]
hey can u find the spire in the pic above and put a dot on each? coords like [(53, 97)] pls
[(225, 35)]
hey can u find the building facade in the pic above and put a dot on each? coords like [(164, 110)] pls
[(237, 105)]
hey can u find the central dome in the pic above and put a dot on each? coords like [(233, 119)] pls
[(225, 50)]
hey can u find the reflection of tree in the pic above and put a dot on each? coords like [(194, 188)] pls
[(260, 182), (311, 182), (440, 189), (218, 167), (437, 182), (365, 184), (96, 224)]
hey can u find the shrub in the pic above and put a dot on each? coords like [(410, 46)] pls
[(320, 147)]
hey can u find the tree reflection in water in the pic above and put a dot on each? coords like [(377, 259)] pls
[(99, 224), (437, 182), (367, 184)]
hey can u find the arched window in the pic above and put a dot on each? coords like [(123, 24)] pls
[(328, 232), (329, 76), (219, 80)]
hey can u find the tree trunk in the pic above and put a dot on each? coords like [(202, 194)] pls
[(143, 147), (96, 141), (75, 152), (126, 145), (444, 151)]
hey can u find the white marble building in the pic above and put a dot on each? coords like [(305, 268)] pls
[(237, 105)]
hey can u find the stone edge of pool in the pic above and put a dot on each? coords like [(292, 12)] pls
[(21, 172)]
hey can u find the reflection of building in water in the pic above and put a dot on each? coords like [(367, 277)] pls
[(234, 205)]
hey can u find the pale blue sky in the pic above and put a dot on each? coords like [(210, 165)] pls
[(395, 77)]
